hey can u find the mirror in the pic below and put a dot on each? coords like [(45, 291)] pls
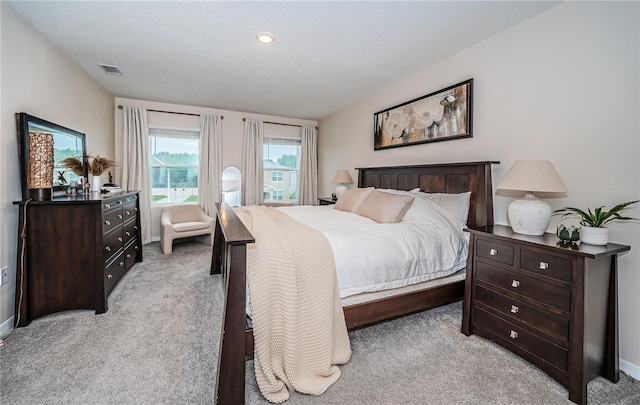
[(66, 143), (232, 186)]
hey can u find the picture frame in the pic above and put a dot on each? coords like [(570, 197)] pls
[(443, 115)]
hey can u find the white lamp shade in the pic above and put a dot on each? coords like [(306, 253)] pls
[(342, 177), (530, 215), (533, 176)]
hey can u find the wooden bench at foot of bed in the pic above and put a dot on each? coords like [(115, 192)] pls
[(229, 259)]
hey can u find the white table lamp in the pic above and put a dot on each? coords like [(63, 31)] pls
[(342, 177), (530, 215)]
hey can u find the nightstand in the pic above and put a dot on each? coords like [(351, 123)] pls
[(552, 304), (326, 201)]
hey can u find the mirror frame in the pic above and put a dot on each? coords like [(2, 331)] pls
[(23, 120)]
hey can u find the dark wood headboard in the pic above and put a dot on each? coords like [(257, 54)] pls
[(440, 178)]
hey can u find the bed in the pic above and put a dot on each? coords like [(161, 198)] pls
[(229, 259)]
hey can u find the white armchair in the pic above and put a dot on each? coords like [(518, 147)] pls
[(181, 221)]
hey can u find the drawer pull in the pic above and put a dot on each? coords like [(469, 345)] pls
[(109, 277), (515, 284), (513, 334), (119, 239), (119, 216), (107, 205), (135, 227), (493, 252), (128, 233), (107, 248), (137, 248), (119, 202), (121, 264), (107, 223), (544, 265), (128, 255), (514, 309), (127, 213)]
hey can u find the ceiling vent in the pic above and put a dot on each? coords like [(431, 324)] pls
[(111, 70)]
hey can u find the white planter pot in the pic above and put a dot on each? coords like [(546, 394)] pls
[(594, 236), (96, 184)]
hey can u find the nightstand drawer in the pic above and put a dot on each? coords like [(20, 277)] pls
[(494, 251), (552, 266), (513, 334), (527, 314), (538, 290)]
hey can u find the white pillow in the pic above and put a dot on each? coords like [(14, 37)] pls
[(384, 207), (456, 203), (351, 200), (426, 212)]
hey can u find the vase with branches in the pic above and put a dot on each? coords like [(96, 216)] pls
[(96, 165)]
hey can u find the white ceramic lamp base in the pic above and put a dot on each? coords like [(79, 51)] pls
[(529, 215), (341, 189)]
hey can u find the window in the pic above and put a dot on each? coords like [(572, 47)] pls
[(174, 155), (281, 162)]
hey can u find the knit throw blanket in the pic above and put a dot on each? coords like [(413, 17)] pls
[(298, 324)]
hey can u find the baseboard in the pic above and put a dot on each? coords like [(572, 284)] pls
[(155, 239), (630, 368), (6, 327)]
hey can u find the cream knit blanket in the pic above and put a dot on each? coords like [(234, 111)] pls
[(298, 323)]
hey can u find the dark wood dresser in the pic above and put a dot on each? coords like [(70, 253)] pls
[(553, 304), (73, 250)]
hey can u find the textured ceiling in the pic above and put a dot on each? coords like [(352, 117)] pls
[(326, 55)]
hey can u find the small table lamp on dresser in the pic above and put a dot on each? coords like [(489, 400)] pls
[(343, 177), (530, 215)]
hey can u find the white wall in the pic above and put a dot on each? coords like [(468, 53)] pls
[(37, 78), (232, 132), (562, 86)]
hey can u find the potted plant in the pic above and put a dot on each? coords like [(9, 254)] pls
[(594, 231)]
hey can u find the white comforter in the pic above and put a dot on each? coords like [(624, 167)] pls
[(427, 244)]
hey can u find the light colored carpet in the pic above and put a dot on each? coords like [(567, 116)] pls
[(158, 344)]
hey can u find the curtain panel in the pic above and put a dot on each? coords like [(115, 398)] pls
[(135, 164), (210, 172), (252, 163), (308, 194)]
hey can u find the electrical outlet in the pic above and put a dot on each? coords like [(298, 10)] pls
[(4, 279)]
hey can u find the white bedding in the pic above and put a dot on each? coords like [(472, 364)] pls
[(372, 257)]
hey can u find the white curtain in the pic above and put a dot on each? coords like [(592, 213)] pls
[(252, 164), (308, 194), (135, 164), (210, 172)]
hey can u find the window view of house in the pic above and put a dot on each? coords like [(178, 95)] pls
[(281, 158), (174, 160)]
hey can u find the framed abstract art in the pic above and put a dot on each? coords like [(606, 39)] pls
[(440, 116)]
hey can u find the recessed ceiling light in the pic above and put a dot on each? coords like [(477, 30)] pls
[(265, 38)]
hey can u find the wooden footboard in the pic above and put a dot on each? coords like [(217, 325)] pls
[(229, 259)]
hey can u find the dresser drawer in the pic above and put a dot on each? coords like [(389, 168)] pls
[(511, 333), (130, 200), (519, 311), (113, 273), (538, 290), (131, 254), (549, 265), (494, 251), (130, 230), (129, 212), (112, 243), (111, 220)]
